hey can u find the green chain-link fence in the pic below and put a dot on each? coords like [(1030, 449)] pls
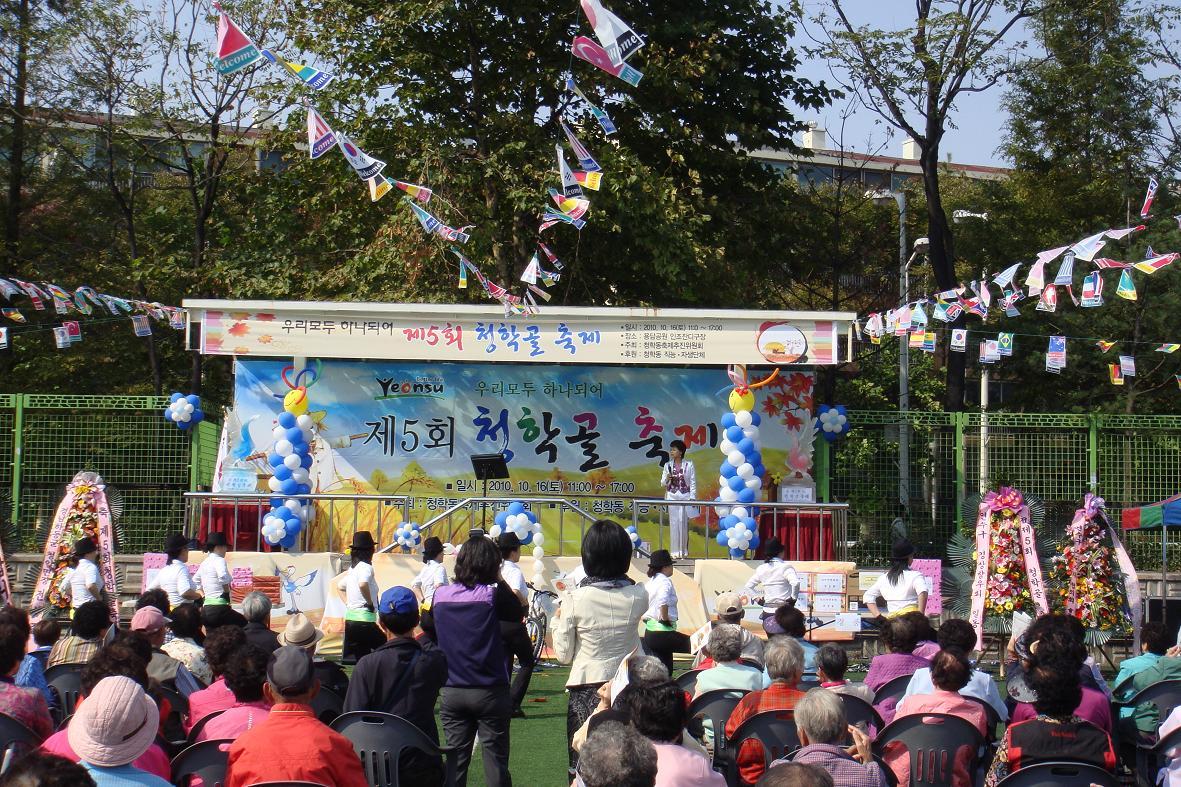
[(1128, 460), (144, 460)]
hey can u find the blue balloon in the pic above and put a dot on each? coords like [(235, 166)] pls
[(167, 415), (746, 446), (737, 483), (728, 521), (303, 489), (723, 539), (729, 470), (728, 420), (527, 539), (176, 396), (532, 517), (300, 448), (194, 400), (755, 458), (737, 554), (501, 518), (274, 460), (750, 524), (305, 461), (515, 508), (755, 418), (288, 486), (286, 420), (760, 471), (294, 435), (746, 496), (282, 472), (183, 425), (276, 502), (734, 434), (754, 541), (631, 528), (288, 541), (198, 416)]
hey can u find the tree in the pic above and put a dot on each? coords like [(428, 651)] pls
[(912, 79)]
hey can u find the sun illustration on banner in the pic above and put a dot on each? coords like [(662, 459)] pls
[(780, 342)]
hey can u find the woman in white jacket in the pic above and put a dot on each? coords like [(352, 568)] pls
[(597, 622), (679, 480)]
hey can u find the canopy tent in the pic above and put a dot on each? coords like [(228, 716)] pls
[(1166, 513)]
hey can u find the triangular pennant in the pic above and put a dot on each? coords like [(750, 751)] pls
[(1104, 263), (529, 275), (14, 315), (589, 180), (312, 77), (619, 41), (1168, 349), (1092, 290), (1036, 278), (1005, 277), (1065, 276), (420, 193), (1104, 346), (585, 159), (235, 50), (1148, 197), (549, 255), (570, 186), (379, 186), (1087, 248), (553, 216), (1126, 288), (586, 49), (1156, 263), (362, 163), (1127, 365), (462, 274), (321, 137), (575, 208), (540, 293), (604, 119), (8, 289), (1114, 373), (429, 223)]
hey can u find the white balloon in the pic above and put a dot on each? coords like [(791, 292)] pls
[(300, 475), (283, 447), (308, 435), (304, 422), (273, 484), (448, 548), (291, 461), (754, 483), (732, 543), (736, 458), (743, 418), (185, 417), (743, 544), (538, 553), (746, 470), (751, 431), (538, 566), (538, 580), (722, 481), (293, 506), (726, 446), (304, 513), (728, 495), (740, 512), (722, 510), (280, 534), (187, 407), (278, 432), (538, 538), (494, 531), (175, 416)]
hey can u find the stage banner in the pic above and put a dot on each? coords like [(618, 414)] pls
[(405, 428)]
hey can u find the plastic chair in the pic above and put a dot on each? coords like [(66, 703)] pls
[(1059, 774), (327, 705), (379, 740), (858, 711), (1165, 695), (174, 724), (16, 738), (932, 741), (992, 718), (688, 680), (67, 685), (207, 759), (895, 688), (191, 738), (59, 669), (716, 705), (775, 730)]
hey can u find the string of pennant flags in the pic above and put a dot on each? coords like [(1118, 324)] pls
[(911, 321), (617, 42)]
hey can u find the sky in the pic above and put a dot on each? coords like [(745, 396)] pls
[(978, 117)]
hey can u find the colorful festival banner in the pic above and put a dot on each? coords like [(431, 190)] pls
[(312, 77), (362, 163), (585, 49), (585, 159), (235, 50), (619, 41), (570, 186), (321, 137)]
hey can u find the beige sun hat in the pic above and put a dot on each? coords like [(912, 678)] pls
[(300, 632), (115, 725)]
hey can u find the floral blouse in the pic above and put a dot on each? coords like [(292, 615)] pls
[(192, 655)]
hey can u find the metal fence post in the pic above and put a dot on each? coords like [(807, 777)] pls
[(18, 433), (961, 471), (194, 455), (1093, 452)]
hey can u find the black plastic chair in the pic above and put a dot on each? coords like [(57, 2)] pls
[(1059, 774), (858, 711), (327, 705), (67, 686), (932, 741), (191, 738), (688, 680), (174, 723), (895, 688), (715, 705), (16, 738), (775, 730), (380, 739), (1165, 695), (59, 669), (207, 759)]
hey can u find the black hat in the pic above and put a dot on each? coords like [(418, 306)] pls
[(902, 549), (217, 539), (84, 546), (772, 547), (362, 541), (508, 542), (176, 542), (659, 559), (290, 671), (432, 546)]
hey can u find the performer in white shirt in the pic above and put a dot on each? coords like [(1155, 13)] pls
[(779, 583), (213, 578), (84, 582), (513, 633), (661, 637), (174, 578), (679, 480), (903, 589), (433, 574), (361, 634)]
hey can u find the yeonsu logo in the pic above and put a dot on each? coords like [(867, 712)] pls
[(429, 387)]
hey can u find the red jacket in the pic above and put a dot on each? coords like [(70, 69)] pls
[(292, 745)]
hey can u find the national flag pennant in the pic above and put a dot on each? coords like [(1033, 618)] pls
[(420, 193), (1116, 375), (549, 255), (235, 50), (1048, 302), (1149, 196), (1056, 354), (589, 180), (321, 137), (1126, 288), (8, 289), (436, 227), (455, 235), (1005, 277), (548, 278), (1004, 344), (959, 340), (34, 293), (80, 301), (1178, 377), (1168, 349), (1104, 346), (600, 115), (586, 49), (312, 77), (915, 340), (1103, 263), (992, 352), (540, 293), (14, 315), (585, 159), (362, 163), (573, 207), (3, 338), (918, 316), (529, 276), (570, 186), (63, 302), (929, 342), (1092, 290), (1065, 276), (1156, 263), (619, 41), (1087, 248), (462, 274), (553, 217), (379, 186), (1127, 365), (940, 312), (1009, 303)]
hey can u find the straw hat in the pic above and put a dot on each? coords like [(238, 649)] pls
[(115, 725), (300, 632)]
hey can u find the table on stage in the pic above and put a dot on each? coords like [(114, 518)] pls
[(805, 535)]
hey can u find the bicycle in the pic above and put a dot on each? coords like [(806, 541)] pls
[(536, 621)]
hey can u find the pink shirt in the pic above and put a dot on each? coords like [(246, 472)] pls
[(154, 760), (952, 703), (926, 649), (201, 703), (1094, 707), (676, 766), (235, 721)]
